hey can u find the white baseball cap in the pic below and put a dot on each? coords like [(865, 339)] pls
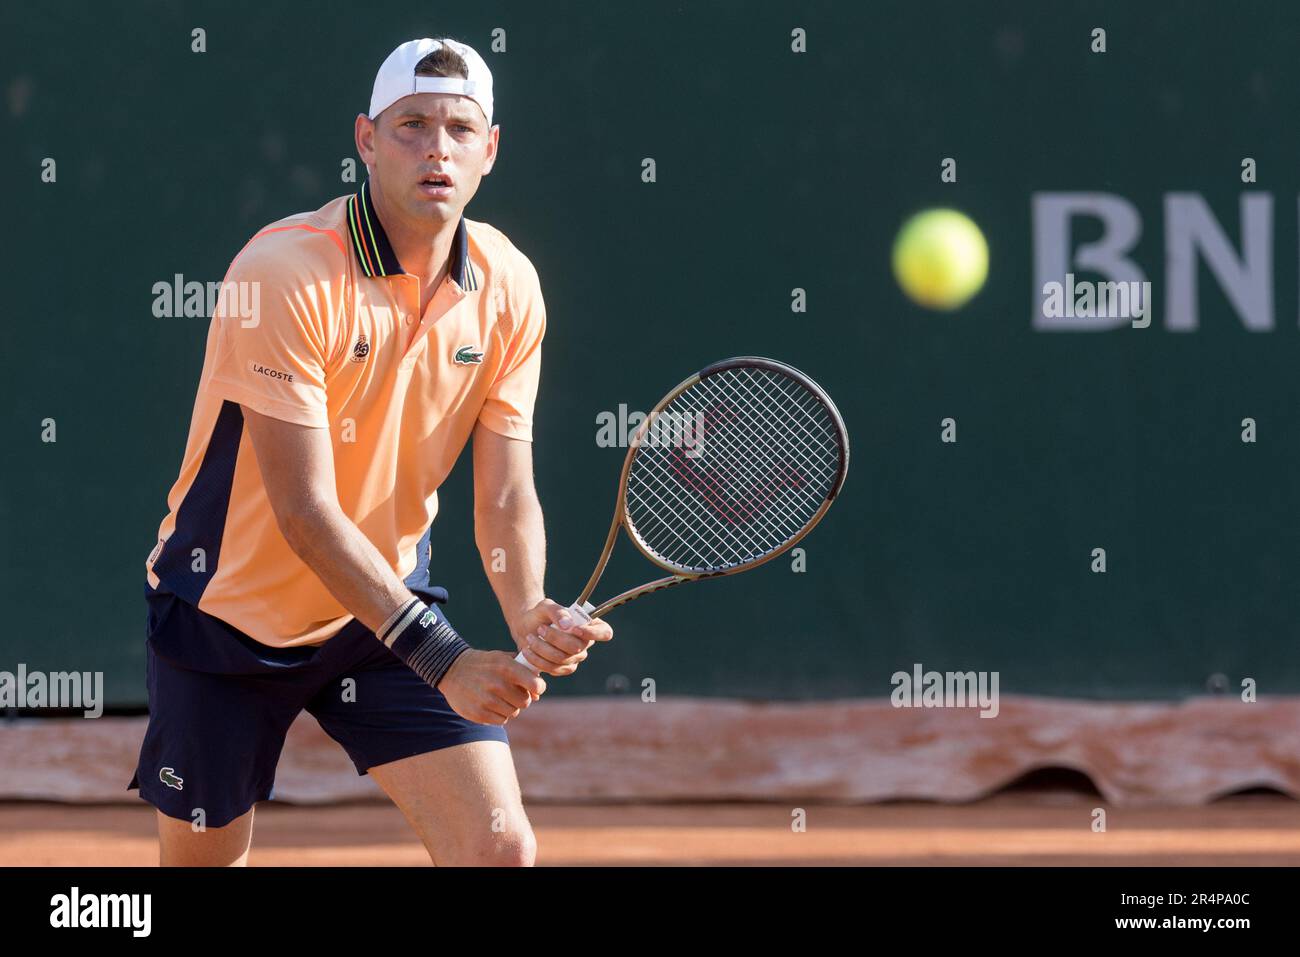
[(396, 78)]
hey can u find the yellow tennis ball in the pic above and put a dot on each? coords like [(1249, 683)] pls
[(940, 258)]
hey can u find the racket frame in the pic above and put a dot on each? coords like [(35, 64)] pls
[(583, 608)]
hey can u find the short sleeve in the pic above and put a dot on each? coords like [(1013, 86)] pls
[(272, 324), (508, 409)]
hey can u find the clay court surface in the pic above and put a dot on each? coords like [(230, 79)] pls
[(1007, 829)]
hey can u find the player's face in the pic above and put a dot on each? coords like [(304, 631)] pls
[(422, 136)]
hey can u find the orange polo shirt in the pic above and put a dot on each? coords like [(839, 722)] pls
[(319, 325)]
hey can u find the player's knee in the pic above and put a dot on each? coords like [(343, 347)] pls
[(180, 845), (514, 848), (519, 851)]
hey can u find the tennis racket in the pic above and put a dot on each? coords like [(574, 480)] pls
[(729, 470)]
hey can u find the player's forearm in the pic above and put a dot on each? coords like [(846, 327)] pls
[(347, 563), (511, 538), (357, 575)]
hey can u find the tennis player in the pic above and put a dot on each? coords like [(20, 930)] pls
[(292, 569)]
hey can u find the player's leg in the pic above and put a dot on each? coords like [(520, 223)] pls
[(218, 716), (453, 778), (209, 754), (464, 803), (181, 846)]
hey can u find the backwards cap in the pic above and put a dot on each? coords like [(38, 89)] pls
[(396, 78)]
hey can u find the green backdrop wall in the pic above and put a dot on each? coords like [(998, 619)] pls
[(776, 170)]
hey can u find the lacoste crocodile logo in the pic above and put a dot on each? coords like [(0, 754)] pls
[(468, 356), (168, 777)]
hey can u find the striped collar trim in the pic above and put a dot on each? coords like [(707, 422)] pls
[(375, 253)]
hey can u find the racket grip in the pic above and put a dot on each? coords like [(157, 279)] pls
[(581, 615)]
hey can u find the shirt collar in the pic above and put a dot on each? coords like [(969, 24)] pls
[(375, 253)]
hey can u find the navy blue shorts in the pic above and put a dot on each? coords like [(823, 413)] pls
[(220, 705)]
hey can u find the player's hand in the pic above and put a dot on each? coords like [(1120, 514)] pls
[(555, 644), (489, 687)]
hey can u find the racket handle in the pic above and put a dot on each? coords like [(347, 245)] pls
[(581, 615)]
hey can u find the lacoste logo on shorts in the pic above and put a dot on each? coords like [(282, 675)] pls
[(361, 349), (468, 356), (168, 777)]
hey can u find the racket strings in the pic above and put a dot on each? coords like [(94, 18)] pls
[(679, 527), (774, 449), (706, 544), (674, 532), (728, 535), (672, 488), (719, 484), (674, 537), (812, 450), (816, 444), (782, 477), (764, 458)]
